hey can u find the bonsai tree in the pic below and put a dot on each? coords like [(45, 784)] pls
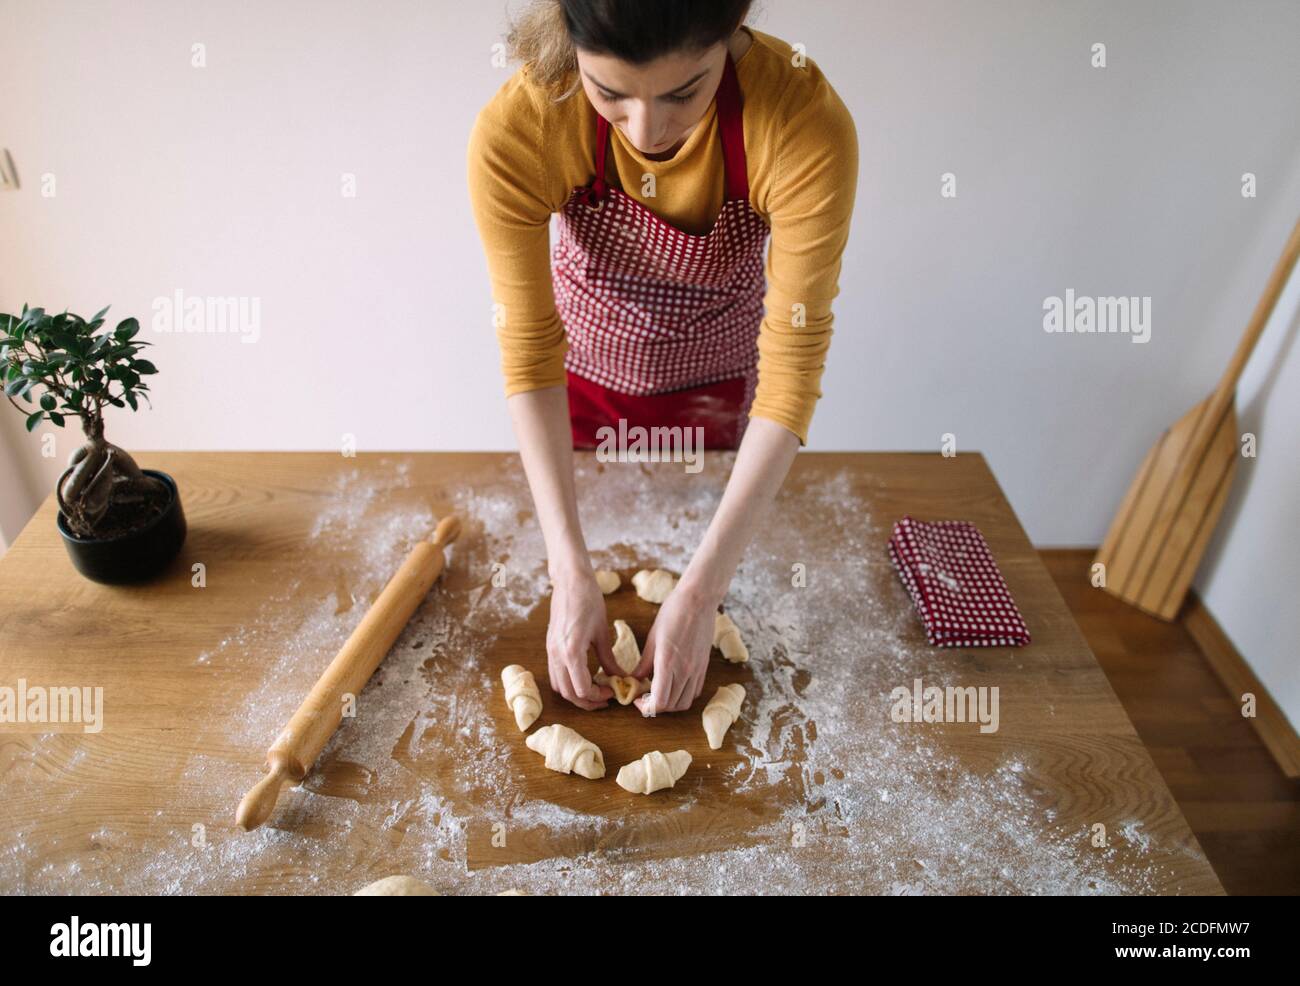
[(78, 371)]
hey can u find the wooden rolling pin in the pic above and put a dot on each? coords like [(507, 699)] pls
[(300, 743)]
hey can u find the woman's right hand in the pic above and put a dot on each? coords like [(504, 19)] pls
[(577, 624)]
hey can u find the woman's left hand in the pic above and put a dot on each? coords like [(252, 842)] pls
[(677, 652)]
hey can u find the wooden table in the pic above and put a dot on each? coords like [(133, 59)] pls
[(816, 788)]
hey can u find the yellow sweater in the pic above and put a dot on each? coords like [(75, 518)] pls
[(527, 154)]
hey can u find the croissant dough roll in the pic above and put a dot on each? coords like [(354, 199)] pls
[(723, 709), (626, 688), (654, 586), (726, 637), (522, 696), (627, 655), (654, 772), (567, 751), (607, 580)]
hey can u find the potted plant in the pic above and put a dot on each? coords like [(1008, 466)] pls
[(120, 523)]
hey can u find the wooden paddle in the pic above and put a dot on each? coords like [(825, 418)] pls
[(1165, 521)]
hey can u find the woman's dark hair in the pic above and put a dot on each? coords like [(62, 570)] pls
[(638, 31)]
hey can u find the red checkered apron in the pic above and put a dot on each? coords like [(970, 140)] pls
[(662, 325)]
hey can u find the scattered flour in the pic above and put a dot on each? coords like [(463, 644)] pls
[(887, 808)]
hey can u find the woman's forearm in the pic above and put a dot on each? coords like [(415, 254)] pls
[(765, 455), (577, 622), (541, 422)]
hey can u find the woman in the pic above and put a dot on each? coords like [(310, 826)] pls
[(691, 139)]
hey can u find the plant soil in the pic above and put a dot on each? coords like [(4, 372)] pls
[(126, 518)]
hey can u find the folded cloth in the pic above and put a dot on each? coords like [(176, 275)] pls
[(961, 597)]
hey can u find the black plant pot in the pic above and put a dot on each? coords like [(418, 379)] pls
[(132, 557)]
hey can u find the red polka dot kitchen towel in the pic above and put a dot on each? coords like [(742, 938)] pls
[(959, 593)]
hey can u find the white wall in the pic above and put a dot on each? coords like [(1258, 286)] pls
[(225, 180), (1250, 579)]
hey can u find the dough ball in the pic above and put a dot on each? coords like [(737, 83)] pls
[(654, 586), (397, 886), (607, 580)]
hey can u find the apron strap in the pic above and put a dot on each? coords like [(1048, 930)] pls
[(598, 189), (733, 133), (730, 126)]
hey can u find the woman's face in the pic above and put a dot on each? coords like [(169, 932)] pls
[(658, 104)]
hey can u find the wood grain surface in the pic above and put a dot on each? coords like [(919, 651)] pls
[(195, 681), (1241, 806)]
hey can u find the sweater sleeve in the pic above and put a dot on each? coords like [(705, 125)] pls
[(509, 192), (810, 206)]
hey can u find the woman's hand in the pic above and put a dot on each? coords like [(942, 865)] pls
[(577, 624), (677, 650), (679, 642)]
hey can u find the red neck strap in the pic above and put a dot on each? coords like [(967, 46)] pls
[(729, 124)]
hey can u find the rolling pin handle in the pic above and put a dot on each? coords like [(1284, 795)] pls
[(259, 802), (447, 531)]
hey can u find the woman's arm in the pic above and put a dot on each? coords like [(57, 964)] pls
[(513, 194), (808, 197), (764, 459), (577, 621), (683, 629)]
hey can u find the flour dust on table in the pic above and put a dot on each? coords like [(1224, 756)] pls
[(398, 786)]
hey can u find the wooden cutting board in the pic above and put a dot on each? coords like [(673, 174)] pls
[(194, 677)]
